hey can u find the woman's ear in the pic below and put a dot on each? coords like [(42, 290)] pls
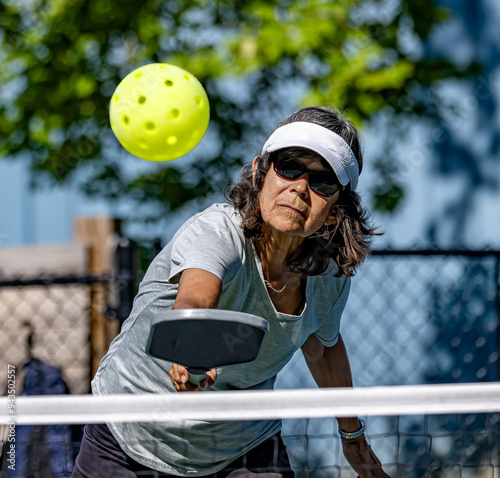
[(254, 167), (255, 161), (332, 217)]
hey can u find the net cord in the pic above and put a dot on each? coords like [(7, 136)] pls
[(253, 405)]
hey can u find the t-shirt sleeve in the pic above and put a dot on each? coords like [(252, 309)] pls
[(328, 333), (211, 242)]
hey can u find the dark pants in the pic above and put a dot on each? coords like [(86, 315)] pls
[(101, 457)]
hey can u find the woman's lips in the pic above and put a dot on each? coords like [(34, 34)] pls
[(291, 209)]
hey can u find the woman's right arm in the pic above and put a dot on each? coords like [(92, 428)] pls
[(198, 289)]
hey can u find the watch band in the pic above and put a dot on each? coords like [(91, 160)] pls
[(356, 434)]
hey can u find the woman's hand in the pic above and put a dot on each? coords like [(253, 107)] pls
[(180, 379), (362, 459)]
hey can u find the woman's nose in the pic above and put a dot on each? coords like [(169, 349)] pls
[(301, 185)]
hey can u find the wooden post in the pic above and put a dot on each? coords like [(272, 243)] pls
[(99, 235)]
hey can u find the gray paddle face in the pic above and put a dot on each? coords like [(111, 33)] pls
[(202, 339)]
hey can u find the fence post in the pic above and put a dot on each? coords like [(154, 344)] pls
[(497, 306), (99, 235), (126, 265)]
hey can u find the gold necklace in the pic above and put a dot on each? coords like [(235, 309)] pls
[(272, 288)]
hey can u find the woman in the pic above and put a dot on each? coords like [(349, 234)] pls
[(284, 249)]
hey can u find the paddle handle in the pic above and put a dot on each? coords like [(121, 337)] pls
[(197, 378)]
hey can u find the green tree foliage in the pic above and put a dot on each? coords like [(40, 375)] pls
[(62, 59)]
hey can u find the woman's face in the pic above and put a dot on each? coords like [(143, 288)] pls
[(290, 206)]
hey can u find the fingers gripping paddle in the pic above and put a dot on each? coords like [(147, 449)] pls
[(202, 339)]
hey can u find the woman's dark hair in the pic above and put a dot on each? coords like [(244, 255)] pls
[(347, 241)]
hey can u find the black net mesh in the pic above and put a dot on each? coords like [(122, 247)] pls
[(411, 319)]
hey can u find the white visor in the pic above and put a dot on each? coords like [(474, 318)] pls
[(326, 143)]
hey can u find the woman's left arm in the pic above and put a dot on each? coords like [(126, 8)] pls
[(330, 368)]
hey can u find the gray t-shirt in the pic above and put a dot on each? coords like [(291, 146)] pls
[(212, 240)]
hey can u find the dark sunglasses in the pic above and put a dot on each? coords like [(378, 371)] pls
[(324, 183)]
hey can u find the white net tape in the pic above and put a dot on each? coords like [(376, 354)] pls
[(253, 405)]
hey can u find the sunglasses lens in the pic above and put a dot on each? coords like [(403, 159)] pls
[(325, 190), (288, 168), (321, 182)]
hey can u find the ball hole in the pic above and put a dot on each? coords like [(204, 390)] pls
[(169, 83), (162, 67), (138, 74), (171, 140), (141, 100), (143, 144), (125, 119), (198, 100), (116, 98), (175, 113), (150, 125), (187, 77)]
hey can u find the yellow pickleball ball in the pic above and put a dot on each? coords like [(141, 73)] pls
[(159, 112)]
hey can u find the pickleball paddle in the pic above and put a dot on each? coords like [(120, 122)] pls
[(202, 339)]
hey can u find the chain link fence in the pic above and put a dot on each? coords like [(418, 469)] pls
[(412, 317)]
